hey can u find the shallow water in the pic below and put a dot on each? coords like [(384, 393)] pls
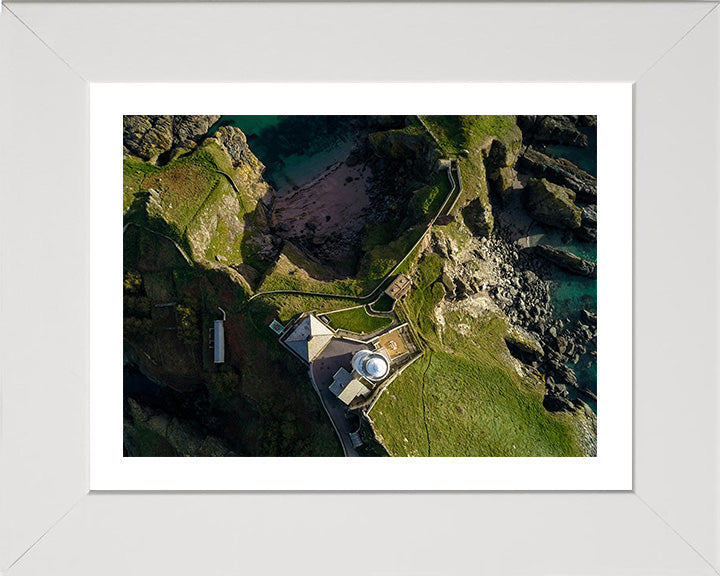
[(585, 158), (571, 294), (294, 149)]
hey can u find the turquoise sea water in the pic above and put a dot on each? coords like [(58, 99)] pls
[(294, 149), (570, 294), (585, 158)]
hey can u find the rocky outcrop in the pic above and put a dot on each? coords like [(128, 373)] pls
[(552, 130), (559, 171), (412, 155), (184, 437), (585, 121), (149, 137), (499, 165), (234, 142), (492, 275), (551, 204), (566, 260), (477, 215), (526, 342), (588, 226)]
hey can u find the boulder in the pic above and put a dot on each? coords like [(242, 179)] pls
[(524, 341), (566, 260), (499, 165), (552, 130), (552, 204), (558, 404), (148, 137), (234, 142), (559, 171), (588, 317)]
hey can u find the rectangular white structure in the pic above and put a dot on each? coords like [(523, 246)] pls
[(219, 342)]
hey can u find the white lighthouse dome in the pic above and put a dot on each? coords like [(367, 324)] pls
[(372, 365), (376, 366)]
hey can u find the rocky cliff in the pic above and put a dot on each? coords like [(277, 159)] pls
[(149, 137), (146, 428), (208, 193), (552, 204), (553, 129)]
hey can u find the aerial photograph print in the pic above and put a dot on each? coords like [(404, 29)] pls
[(365, 286)]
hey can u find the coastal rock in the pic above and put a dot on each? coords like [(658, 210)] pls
[(183, 436), (399, 146), (478, 217), (588, 317), (551, 204), (554, 403), (148, 137), (524, 341), (559, 171), (586, 120), (234, 142), (189, 130), (589, 216), (499, 164), (552, 130), (565, 260)]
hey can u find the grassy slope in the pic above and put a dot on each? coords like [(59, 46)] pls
[(464, 398), (474, 134), (358, 320), (383, 246), (190, 191), (273, 410), (134, 172)]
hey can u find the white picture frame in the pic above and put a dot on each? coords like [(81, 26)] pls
[(50, 523)]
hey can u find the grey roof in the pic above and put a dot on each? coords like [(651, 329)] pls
[(353, 389), (347, 388), (309, 338), (340, 380)]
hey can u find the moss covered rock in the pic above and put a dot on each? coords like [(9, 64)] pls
[(525, 341), (147, 136), (552, 204)]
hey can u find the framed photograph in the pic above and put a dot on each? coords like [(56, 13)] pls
[(310, 236), (367, 285)]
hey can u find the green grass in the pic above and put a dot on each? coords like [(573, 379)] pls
[(456, 133), (428, 200), (358, 320), (474, 134), (464, 397), (188, 196), (134, 172), (287, 306), (383, 304), (294, 271)]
